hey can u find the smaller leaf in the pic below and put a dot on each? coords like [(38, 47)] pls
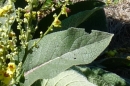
[(77, 19), (68, 78), (80, 12)]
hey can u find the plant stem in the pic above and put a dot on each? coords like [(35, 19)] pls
[(51, 26)]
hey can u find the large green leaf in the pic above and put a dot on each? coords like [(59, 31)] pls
[(61, 50), (66, 78)]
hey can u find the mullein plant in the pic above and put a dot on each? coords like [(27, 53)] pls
[(10, 68)]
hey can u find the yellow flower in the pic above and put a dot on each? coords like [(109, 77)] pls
[(11, 68), (26, 15), (5, 9), (6, 74), (7, 78), (64, 11), (57, 23)]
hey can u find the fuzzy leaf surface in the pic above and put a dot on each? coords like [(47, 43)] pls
[(67, 78), (61, 50)]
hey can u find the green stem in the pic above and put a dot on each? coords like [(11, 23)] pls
[(28, 33), (49, 28)]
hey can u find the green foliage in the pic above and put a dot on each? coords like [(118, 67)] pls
[(101, 77), (76, 19), (64, 49), (70, 77), (86, 14), (52, 59)]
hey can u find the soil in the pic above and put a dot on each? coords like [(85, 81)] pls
[(118, 22)]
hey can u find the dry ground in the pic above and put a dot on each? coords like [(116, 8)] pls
[(118, 21)]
